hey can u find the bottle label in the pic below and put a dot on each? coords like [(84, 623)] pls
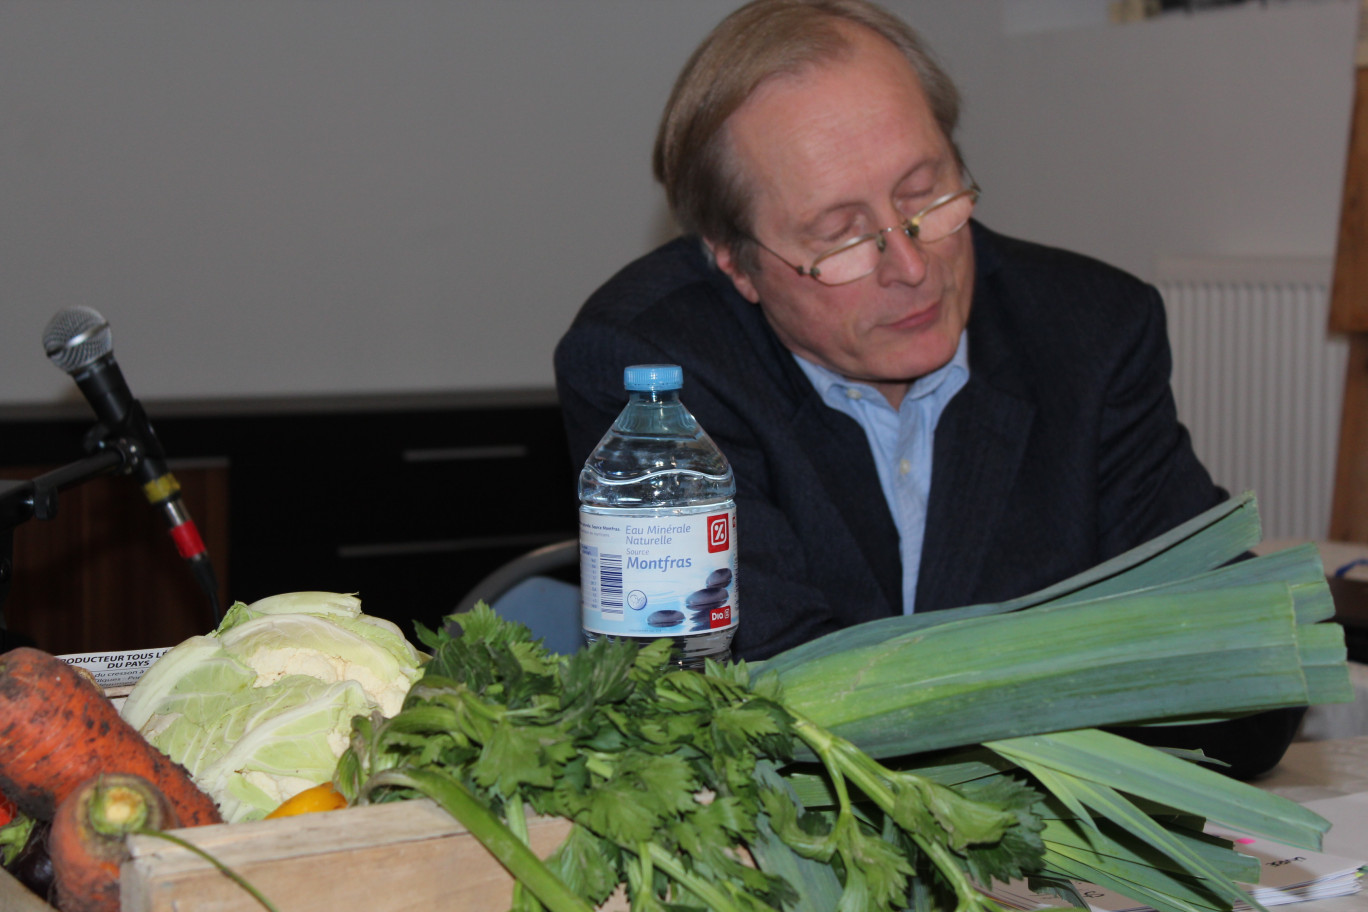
[(672, 574)]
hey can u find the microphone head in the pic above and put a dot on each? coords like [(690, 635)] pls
[(76, 338)]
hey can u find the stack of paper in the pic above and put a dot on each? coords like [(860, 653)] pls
[(1287, 875)]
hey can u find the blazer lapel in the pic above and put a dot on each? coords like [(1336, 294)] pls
[(838, 452), (980, 441)]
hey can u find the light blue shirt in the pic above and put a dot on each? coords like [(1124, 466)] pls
[(901, 441)]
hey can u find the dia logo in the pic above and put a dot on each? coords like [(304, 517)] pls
[(719, 532)]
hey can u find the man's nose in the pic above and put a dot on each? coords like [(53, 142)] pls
[(903, 260)]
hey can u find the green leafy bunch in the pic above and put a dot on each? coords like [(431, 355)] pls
[(676, 784), (979, 716)]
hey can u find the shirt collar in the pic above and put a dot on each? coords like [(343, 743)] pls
[(832, 386)]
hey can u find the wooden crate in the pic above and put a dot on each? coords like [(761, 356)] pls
[(401, 857), (398, 857)]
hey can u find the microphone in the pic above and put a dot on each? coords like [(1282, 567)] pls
[(79, 341)]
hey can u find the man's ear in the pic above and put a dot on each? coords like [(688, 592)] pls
[(726, 262)]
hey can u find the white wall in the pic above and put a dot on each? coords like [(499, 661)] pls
[(1217, 134), (296, 196)]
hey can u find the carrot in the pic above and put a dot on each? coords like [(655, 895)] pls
[(59, 730), (87, 842)]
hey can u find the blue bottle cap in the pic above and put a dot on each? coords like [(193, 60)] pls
[(653, 377)]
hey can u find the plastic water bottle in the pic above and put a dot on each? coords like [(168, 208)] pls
[(658, 526)]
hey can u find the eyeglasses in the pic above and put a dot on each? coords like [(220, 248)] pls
[(859, 256)]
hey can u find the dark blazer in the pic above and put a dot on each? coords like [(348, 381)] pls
[(1064, 448)]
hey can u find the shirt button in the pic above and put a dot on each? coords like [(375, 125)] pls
[(852, 393), (904, 467)]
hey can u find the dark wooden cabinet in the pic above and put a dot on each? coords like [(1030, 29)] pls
[(104, 574), (406, 500)]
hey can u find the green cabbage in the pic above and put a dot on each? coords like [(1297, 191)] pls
[(261, 708)]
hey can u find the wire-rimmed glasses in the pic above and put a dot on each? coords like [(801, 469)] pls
[(859, 256)]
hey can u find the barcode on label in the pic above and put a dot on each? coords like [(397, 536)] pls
[(610, 585)]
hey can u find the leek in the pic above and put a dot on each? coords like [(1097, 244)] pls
[(1172, 631)]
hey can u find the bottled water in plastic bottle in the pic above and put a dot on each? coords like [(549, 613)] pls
[(658, 526)]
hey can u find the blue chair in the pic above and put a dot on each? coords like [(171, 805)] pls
[(523, 590)]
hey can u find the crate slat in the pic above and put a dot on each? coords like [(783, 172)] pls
[(397, 857)]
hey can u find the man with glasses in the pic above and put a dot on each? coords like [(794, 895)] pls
[(920, 413)]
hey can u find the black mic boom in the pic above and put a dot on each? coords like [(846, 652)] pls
[(78, 340)]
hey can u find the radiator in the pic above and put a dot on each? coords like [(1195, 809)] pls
[(1259, 382)]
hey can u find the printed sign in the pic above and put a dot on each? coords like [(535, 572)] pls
[(116, 669)]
